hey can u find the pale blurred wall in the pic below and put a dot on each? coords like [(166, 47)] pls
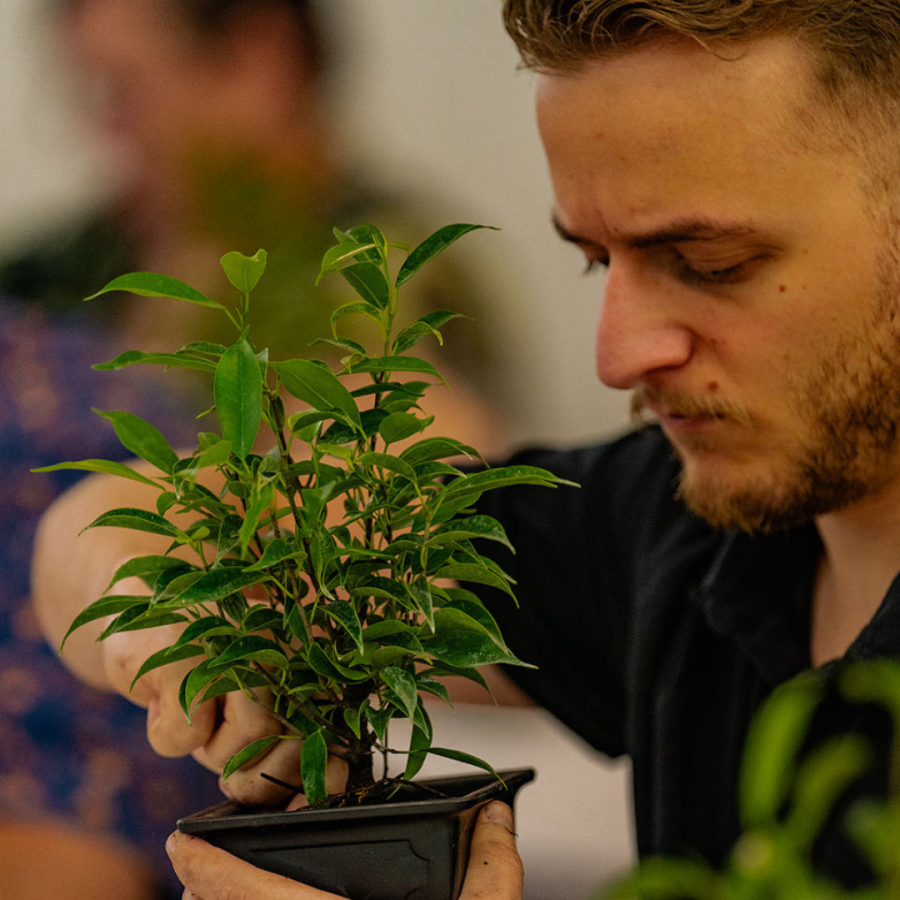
[(432, 98)]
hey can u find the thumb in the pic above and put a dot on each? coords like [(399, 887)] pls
[(495, 869)]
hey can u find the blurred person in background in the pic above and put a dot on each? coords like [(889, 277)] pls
[(218, 115)]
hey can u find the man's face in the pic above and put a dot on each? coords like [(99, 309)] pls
[(750, 299)]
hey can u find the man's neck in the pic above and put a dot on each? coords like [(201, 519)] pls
[(860, 560)]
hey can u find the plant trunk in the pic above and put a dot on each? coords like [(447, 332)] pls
[(361, 771)]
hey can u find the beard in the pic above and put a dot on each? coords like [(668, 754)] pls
[(846, 407)]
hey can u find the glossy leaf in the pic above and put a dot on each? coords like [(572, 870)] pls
[(143, 439), (145, 566), (367, 279), (475, 573), (251, 648), (238, 394), (214, 586), (419, 743), (102, 466), (136, 520), (318, 386), (137, 357), (344, 613), (163, 658), (243, 271), (150, 284), (388, 364), (470, 528), (276, 551), (250, 752), (313, 766), (401, 425), (342, 255), (432, 448), (428, 325), (403, 684), (431, 246), (101, 609), (467, 758)]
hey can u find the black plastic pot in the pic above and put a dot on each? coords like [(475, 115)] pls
[(401, 850)]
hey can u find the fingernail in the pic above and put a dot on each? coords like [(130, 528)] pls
[(498, 813)]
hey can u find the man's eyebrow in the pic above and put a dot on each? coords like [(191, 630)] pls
[(675, 233)]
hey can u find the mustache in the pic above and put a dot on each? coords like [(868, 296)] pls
[(687, 405)]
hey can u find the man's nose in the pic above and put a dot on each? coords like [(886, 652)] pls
[(638, 332)]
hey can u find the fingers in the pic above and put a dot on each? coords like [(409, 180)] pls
[(335, 781), (495, 868), (212, 874)]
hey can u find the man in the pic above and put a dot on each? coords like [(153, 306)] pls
[(733, 167)]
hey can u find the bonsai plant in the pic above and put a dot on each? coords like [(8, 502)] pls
[(322, 563)]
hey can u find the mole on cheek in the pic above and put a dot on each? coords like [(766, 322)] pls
[(782, 288), (713, 387)]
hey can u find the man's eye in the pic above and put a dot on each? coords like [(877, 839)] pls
[(694, 275)]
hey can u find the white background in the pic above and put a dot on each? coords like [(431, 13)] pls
[(432, 96)]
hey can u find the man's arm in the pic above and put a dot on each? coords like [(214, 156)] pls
[(71, 571), (494, 872)]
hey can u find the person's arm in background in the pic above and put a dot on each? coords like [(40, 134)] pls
[(209, 873)]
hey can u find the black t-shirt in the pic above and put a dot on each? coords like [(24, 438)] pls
[(658, 637)]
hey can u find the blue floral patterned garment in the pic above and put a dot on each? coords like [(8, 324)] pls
[(67, 750)]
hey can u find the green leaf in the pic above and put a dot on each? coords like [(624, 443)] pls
[(470, 528), (351, 718), (313, 766), (403, 684), (357, 308), (467, 758), (251, 751), (345, 615), (336, 257), (251, 648), (214, 586), (328, 668), (103, 466), (243, 271), (101, 609), (396, 364), (474, 573), (431, 246), (463, 642), (150, 284), (164, 657), (436, 448), (143, 439), (143, 566), (367, 279), (401, 425), (427, 326), (391, 463), (135, 519), (205, 627), (276, 551), (379, 719), (136, 619), (136, 357), (506, 476), (238, 396), (318, 386), (419, 744), (770, 752)]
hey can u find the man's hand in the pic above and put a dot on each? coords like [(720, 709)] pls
[(218, 728), (208, 873)]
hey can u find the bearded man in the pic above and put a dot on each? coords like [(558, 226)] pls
[(733, 167)]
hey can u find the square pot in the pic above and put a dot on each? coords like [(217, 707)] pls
[(414, 849)]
